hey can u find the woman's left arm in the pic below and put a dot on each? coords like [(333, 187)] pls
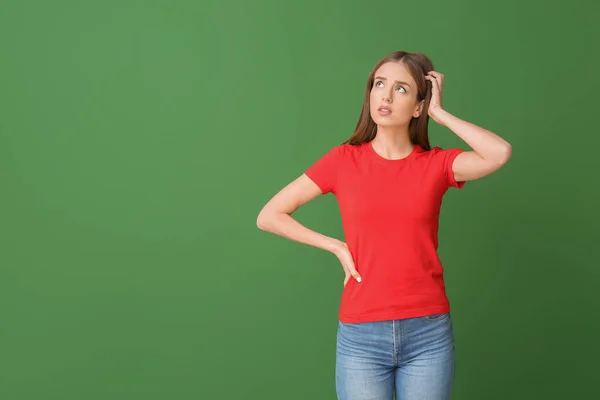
[(490, 151)]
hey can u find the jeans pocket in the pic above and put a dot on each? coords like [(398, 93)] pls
[(436, 317)]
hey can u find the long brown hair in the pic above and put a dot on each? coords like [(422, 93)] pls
[(418, 64)]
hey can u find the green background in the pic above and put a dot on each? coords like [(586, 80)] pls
[(140, 139)]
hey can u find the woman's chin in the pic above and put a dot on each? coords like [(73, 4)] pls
[(386, 122)]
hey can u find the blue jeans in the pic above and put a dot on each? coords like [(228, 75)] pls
[(412, 357)]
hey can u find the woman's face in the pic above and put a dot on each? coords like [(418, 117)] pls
[(395, 90)]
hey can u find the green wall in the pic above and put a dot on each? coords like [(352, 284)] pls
[(140, 139)]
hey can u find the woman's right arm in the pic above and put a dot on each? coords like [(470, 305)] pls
[(276, 217)]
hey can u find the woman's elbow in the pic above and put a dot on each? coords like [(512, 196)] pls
[(506, 154), (261, 221), (502, 156), (265, 218)]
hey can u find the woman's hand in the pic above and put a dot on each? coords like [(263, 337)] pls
[(343, 254), (436, 111)]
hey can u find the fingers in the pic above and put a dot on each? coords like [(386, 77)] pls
[(345, 258), (437, 80), (351, 273), (439, 76), (435, 91), (354, 273), (435, 84)]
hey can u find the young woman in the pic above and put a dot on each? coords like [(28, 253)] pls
[(395, 330)]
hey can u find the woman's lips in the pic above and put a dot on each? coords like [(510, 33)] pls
[(383, 110)]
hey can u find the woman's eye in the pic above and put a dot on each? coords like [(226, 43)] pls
[(380, 84)]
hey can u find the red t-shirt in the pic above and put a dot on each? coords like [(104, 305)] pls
[(389, 211)]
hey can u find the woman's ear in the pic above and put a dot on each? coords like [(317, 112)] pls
[(419, 109)]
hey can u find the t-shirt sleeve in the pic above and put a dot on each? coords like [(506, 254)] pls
[(324, 171), (445, 159)]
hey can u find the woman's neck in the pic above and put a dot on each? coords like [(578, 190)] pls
[(392, 145)]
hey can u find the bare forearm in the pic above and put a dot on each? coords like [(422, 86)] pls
[(486, 144), (286, 226)]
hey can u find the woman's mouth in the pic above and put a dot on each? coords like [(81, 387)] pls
[(383, 110)]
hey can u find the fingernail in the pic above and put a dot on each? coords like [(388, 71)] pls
[(358, 279)]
